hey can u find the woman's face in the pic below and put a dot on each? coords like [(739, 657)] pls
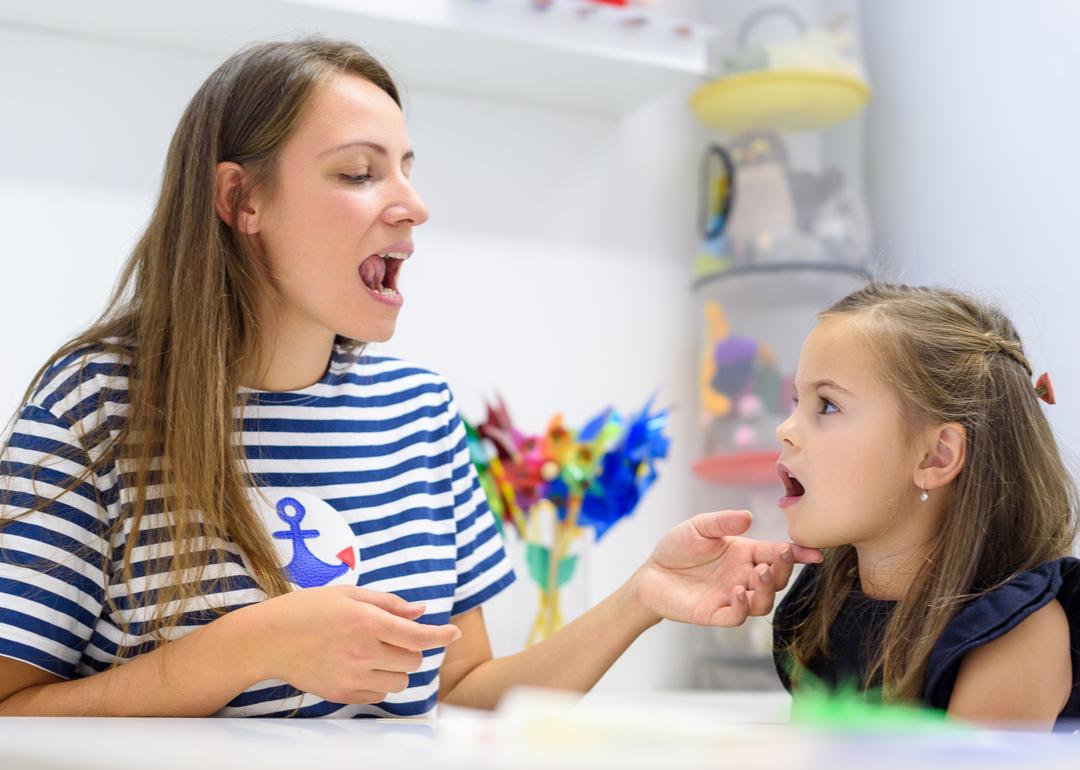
[(338, 224)]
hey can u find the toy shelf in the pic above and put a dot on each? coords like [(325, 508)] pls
[(775, 302), (741, 271), (751, 468), (574, 55)]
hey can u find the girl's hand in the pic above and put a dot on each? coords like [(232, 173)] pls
[(343, 643), (701, 573)]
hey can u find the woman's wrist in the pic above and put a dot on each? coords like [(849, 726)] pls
[(631, 605), (240, 632)]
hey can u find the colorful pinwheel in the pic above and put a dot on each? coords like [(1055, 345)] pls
[(591, 477)]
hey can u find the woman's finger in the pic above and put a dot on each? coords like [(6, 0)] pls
[(735, 613), (761, 594), (364, 697), (804, 555), (718, 524), (393, 658), (768, 551), (392, 603), (411, 635), (781, 569), (387, 681)]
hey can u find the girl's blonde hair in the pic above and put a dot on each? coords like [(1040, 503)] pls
[(184, 313), (1013, 505)]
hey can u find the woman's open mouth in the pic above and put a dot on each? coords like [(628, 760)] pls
[(379, 272), (793, 488)]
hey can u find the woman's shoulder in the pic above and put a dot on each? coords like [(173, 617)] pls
[(386, 368), (73, 385), (991, 615), (388, 376)]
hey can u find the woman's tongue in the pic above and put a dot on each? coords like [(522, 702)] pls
[(372, 271)]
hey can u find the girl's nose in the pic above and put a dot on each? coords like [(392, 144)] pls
[(785, 431)]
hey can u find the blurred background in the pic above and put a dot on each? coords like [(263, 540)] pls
[(626, 199)]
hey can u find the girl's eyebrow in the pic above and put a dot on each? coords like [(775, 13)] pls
[(830, 384), (410, 155), (824, 383)]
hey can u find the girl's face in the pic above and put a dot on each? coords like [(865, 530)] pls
[(341, 198), (844, 445)]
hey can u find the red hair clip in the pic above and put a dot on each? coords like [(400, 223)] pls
[(1044, 388)]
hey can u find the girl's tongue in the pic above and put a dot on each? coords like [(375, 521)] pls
[(372, 272)]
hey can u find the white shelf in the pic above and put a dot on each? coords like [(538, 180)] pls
[(497, 49)]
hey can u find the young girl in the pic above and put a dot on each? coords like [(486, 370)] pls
[(218, 439), (919, 458)]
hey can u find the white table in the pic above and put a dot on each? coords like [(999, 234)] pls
[(665, 730)]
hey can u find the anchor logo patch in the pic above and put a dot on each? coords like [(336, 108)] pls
[(315, 545)]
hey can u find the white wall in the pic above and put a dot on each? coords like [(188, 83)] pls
[(973, 161), (554, 269)]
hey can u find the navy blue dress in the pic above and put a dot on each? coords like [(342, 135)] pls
[(856, 635)]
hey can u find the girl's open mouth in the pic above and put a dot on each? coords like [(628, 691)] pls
[(793, 488)]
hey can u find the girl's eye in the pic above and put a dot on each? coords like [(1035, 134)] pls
[(827, 406), (357, 178)]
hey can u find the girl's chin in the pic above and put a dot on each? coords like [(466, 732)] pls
[(806, 539)]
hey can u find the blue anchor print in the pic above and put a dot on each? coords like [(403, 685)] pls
[(305, 569)]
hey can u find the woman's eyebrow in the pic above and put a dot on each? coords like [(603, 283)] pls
[(410, 155)]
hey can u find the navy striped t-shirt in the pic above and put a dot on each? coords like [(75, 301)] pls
[(377, 440)]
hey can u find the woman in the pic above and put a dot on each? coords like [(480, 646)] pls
[(221, 409)]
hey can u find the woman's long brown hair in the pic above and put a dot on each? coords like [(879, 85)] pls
[(183, 313), (1013, 505)]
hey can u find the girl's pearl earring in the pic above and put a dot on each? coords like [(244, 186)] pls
[(924, 495)]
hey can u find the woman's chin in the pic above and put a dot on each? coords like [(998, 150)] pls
[(372, 332)]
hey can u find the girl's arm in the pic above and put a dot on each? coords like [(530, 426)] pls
[(342, 643), (699, 573), (1023, 678)]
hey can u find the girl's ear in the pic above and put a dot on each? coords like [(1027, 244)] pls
[(230, 189), (945, 458)]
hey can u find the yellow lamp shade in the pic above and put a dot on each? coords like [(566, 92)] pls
[(779, 100)]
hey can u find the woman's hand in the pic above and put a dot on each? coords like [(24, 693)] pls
[(702, 573), (343, 643)]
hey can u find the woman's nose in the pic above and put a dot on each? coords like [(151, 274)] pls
[(408, 207)]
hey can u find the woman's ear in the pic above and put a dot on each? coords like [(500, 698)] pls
[(944, 458), (231, 190)]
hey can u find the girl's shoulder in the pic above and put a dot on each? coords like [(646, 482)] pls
[(790, 613), (797, 599), (990, 615)]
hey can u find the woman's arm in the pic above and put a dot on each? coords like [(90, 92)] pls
[(573, 659), (699, 573), (1023, 678), (194, 676), (342, 643)]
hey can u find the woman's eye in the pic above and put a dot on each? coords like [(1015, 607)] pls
[(827, 407), (356, 178)]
